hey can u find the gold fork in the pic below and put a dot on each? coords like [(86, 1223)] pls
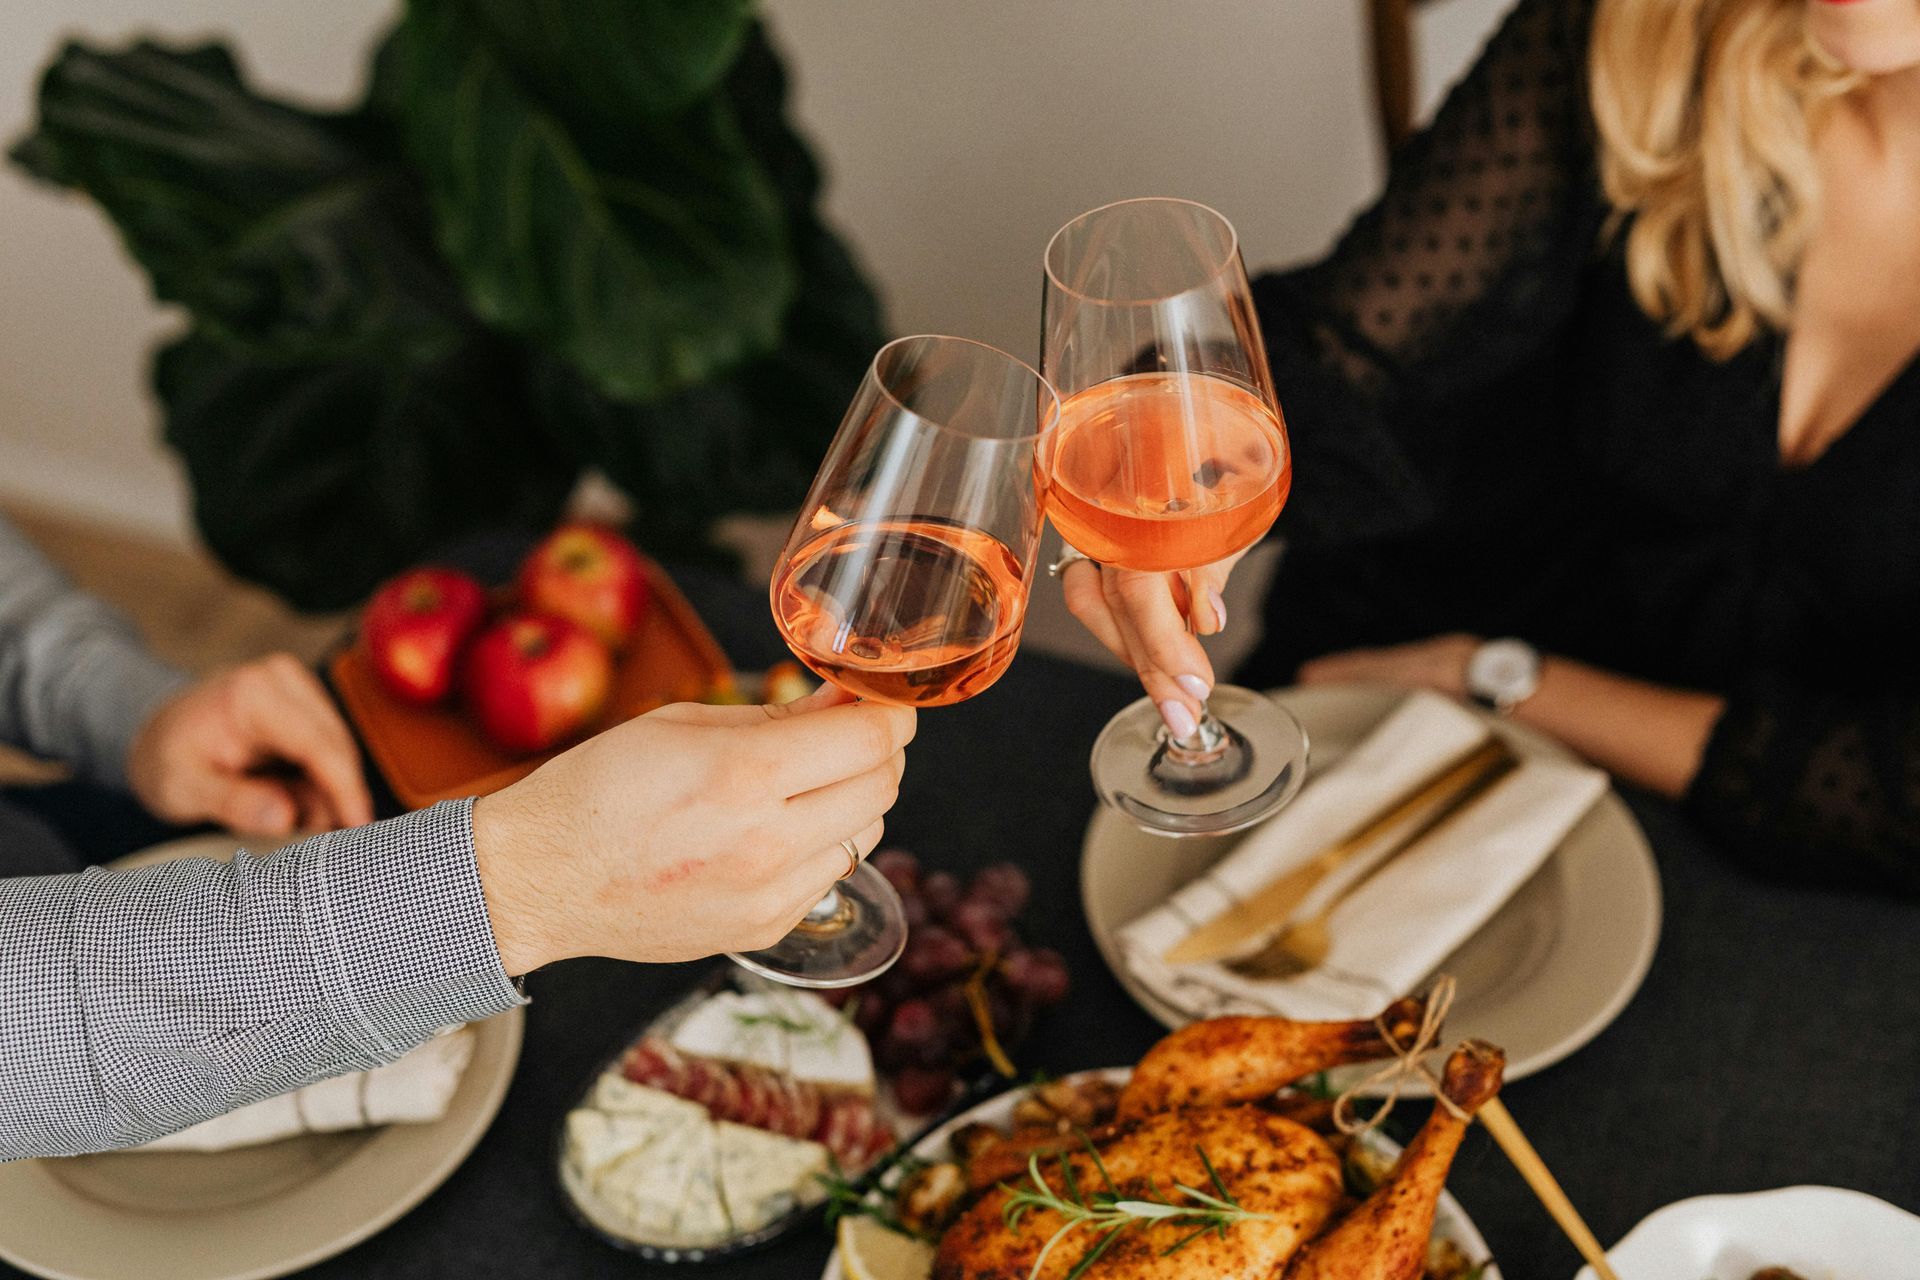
[(1303, 944)]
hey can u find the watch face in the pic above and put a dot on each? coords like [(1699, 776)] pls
[(1504, 671)]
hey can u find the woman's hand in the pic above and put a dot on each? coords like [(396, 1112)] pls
[(1438, 663), (1148, 621), (258, 748), (687, 831)]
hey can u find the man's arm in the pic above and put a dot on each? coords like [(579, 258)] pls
[(76, 683), (133, 1004)]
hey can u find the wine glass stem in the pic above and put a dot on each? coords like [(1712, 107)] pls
[(1204, 745), (829, 915)]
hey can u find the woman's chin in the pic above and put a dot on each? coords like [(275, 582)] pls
[(1873, 37)]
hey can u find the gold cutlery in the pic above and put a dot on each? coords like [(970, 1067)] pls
[(1259, 915), (1303, 944), (1498, 1121)]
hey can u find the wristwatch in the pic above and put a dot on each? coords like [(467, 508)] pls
[(1503, 673)]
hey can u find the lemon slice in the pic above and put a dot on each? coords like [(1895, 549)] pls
[(869, 1251)]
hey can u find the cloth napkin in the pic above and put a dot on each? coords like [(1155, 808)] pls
[(415, 1089), (1400, 925)]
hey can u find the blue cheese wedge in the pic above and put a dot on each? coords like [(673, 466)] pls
[(656, 1168), (703, 1216), (668, 1193), (793, 1032), (615, 1093), (597, 1140), (765, 1176)]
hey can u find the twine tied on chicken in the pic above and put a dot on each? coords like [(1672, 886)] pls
[(1408, 1063)]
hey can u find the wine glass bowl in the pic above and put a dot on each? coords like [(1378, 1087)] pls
[(906, 579), (1171, 454)]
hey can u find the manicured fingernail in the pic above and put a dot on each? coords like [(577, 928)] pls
[(1194, 685), (1219, 610), (1180, 721)]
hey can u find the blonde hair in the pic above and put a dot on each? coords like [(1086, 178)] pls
[(1705, 111)]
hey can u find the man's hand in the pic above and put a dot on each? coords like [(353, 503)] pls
[(258, 748), (687, 831)]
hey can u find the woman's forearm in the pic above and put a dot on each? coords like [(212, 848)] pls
[(1649, 734)]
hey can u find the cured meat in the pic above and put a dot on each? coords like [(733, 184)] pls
[(844, 1123)]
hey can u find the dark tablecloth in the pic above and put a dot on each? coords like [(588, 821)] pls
[(1776, 1040)]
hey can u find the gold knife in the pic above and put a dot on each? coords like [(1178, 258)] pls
[(1424, 805)]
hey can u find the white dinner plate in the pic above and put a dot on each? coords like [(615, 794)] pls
[(1450, 1221), (1553, 966), (1820, 1233), (251, 1213)]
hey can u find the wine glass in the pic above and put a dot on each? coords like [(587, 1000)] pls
[(1171, 454), (906, 578)]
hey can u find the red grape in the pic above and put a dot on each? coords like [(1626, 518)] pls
[(982, 924), (1039, 975), (1004, 885), (901, 869), (942, 892), (914, 907), (871, 1013), (914, 1023), (922, 1090), (934, 953)]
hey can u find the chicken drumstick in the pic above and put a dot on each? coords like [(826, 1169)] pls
[(1225, 1060), (1386, 1237)]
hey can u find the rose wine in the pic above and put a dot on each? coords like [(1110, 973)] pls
[(1165, 471), (908, 611)]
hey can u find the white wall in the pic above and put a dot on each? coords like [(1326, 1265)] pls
[(958, 135)]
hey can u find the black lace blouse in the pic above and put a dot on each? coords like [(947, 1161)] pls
[(1491, 436)]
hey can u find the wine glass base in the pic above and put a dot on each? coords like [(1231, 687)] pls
[(1256, 769), (856, 933)]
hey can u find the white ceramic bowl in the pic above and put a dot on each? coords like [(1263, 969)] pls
[(1821, 1233)]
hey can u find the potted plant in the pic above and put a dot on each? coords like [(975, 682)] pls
[(551, 237)]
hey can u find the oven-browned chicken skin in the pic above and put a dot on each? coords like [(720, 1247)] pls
[(1271, 1165), (1208, 1086), (1386, 1237), (1245, 1059)]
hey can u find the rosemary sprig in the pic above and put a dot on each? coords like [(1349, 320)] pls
[(792, 1026), (1110, 1214), (856, 1198), (827, 1032)]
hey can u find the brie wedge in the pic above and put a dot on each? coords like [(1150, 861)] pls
[(794, 1032)]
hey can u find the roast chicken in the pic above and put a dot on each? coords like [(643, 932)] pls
[(1210, 1087)]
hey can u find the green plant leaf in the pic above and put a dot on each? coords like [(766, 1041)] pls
[(750, 440), (319, 478), (651, 255), (599, 63), (273, 225)]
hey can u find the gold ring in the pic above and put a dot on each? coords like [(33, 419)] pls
[(853, 857)]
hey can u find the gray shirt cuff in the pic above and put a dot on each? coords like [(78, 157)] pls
[(136, 1003), (402, 939)]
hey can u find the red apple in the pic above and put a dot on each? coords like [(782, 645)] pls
[(533, 680), (590, 575), (415, 627)]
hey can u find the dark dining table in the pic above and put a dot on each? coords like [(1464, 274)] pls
[(1775, 1042)]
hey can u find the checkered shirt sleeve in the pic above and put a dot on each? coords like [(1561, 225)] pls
[(135, 1003)]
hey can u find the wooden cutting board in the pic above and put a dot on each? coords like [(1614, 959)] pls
[(430, 754)]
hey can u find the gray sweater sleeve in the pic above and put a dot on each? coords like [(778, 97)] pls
[(136, 1003), (76, 683)]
